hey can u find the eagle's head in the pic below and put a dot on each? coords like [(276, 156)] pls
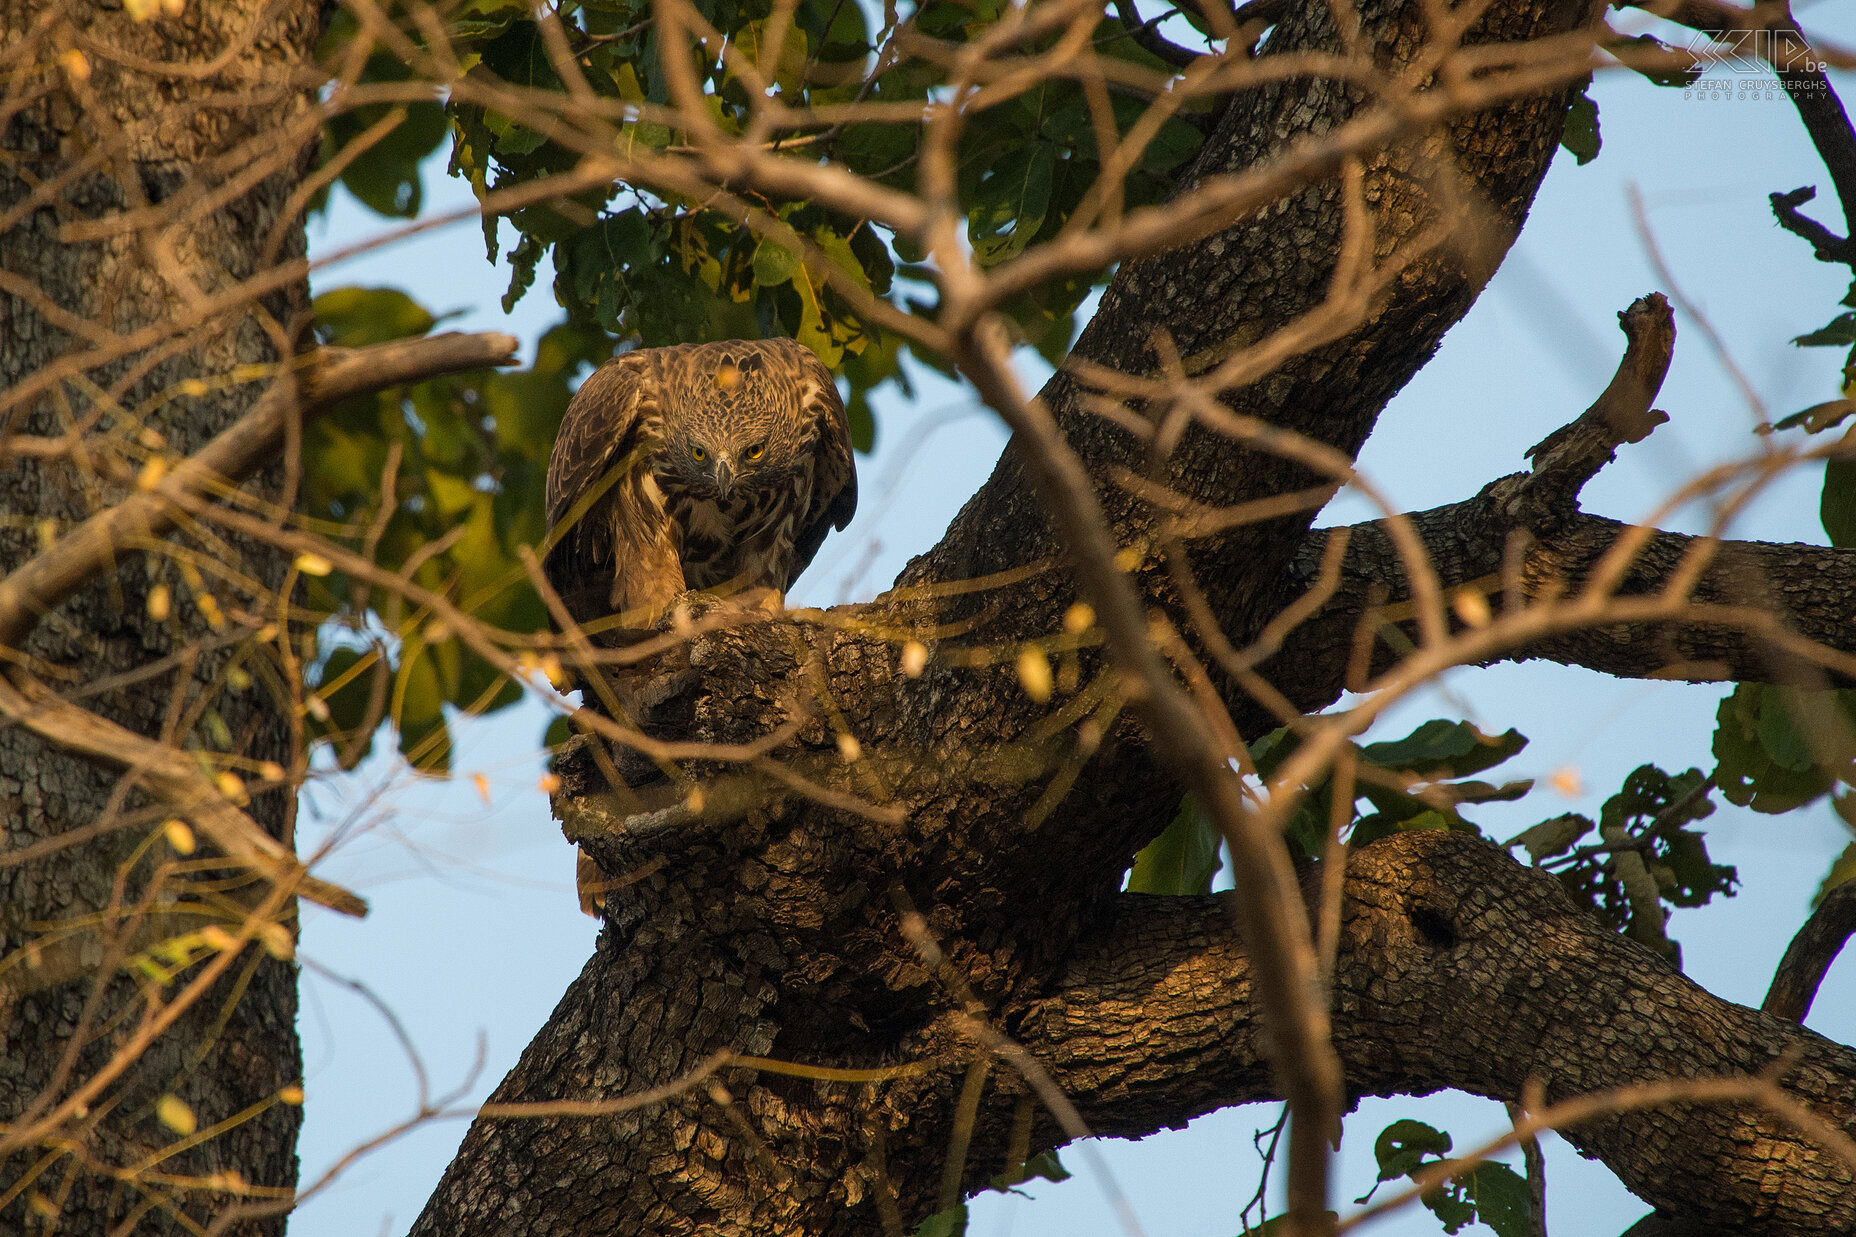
[(733, 424)]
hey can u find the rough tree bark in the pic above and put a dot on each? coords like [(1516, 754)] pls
[(147, 172), (761, 920)]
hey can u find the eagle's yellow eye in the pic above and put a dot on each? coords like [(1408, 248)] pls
[(698, 454), (757, 450)]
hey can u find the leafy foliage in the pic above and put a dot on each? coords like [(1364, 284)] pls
[(1780, 748), (463, 459), (658, 269), (635, 268), (1417, 782), (1183, 859), (1649, 816), (1581, 137), (1477, 1191), (952, 1222), (382, 167), (1839, 332)]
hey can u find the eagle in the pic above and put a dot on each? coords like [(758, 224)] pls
[(715, 467)]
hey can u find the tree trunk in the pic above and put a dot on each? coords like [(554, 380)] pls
[(148, 175)]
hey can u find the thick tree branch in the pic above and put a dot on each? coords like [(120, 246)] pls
[(1758, 608), (1459, 968), (1810, 954)]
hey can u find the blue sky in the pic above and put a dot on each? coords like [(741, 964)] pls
[(475, 934)]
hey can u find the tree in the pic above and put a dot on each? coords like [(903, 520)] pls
[(842, 981)]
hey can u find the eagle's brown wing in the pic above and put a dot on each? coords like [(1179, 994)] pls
[(834, 475), (615, 549)]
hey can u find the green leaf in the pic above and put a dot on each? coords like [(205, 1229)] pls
[(356, 317), (519, 57), (1440, 749), (949, 1223), (1402, 1147), (1818, 417), (1450, 1205), (1842, 869), (419, 698), (522, 261), (1779, 735), (1745, 770), (1837, 508), (1839, 332), (1182, 860), (1552, 837), (1010, 201), (1581, 135), (385, 176), (774, 264), (1502, 1198), (1043, 1166)]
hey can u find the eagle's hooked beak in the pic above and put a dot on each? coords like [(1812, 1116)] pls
[(724, 475)]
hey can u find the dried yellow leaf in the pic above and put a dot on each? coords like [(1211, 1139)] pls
[(218, 938), (313, 564), (292, 1095), (152, 472), (482, 784), (74, 65), (317, 708), (160, 603), (1566, 780), (849, 747), (914, 659), (179, 835), (277, 941), (1471, 606), (1034, 673), (548, 784), (1079, 618), (230, 785), (172, 1111)]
